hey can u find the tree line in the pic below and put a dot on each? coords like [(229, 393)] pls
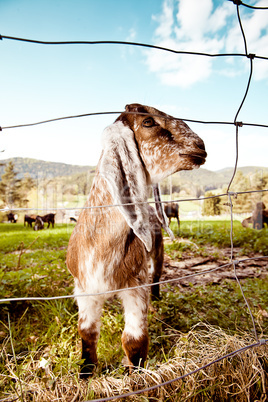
[(14, 191), (242, 203)]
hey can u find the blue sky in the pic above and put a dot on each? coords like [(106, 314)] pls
[(42, 82)]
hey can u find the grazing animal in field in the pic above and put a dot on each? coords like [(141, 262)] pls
[(49, 219), (29, 219), (72, 219), (172, 211), (39, 223), (110, 246), (12, 218)]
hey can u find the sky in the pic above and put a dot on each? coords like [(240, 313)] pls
[(40, 82)]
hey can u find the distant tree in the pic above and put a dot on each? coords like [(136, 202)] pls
[(25, 185), (13, 191), (259, 181), (243, 202), (211, 206)]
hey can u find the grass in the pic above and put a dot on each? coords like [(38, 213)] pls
[(217, 233), (40, 352)]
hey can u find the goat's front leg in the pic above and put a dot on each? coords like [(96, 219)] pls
[(135, 339), (89, 329)]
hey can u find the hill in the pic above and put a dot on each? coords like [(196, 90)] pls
[(43, 170), (207, 179), (215, 179)]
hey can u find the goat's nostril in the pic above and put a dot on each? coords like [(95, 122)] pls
[(201, 145)]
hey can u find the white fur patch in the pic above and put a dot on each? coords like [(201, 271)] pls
[(135, 314), (151, 269)]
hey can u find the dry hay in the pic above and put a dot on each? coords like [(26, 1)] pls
[(242, 377)]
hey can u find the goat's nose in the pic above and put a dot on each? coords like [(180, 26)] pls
[(200, 144)]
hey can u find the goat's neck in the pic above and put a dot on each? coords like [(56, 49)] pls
[(107, 219)]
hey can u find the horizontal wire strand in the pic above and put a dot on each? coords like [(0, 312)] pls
[(115, 291), (127, 43), (233, 193)]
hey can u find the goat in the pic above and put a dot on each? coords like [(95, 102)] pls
[(29, 219), (49, 219), (12, 218), (172, 211), (39, 223), (109, 246)]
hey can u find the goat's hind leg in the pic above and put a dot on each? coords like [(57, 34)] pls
[(157, 260), (89, 329)]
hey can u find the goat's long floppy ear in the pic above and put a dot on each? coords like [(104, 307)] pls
[(124, 173)]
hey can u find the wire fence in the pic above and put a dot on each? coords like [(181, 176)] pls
[(230, 194)]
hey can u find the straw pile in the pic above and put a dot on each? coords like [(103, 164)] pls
[(242, 377)]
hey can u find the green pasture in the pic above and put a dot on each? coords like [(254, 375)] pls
[(33, 265)]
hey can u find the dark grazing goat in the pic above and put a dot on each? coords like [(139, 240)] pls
[(172, 211), (29, 219), (12, 218), (49, 219), (38, 224)]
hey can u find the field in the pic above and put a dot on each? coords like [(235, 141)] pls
[(197, 320)]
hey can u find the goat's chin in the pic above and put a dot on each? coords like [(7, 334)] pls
[(192, 161)]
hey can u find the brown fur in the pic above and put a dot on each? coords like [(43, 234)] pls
[(110, 246)]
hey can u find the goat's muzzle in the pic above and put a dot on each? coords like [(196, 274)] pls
[(197, 158)]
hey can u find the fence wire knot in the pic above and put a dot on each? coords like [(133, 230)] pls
[(232, 194), (238, 123), (235, 262), (237, 2)]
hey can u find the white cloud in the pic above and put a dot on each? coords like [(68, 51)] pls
[(200, 26), (165, 20)]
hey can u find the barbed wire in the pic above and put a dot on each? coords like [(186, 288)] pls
[(232, 262)]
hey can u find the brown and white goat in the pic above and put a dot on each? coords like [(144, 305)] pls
[(109, 246)]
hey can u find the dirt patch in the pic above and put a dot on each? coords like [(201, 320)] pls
[(215, 267)]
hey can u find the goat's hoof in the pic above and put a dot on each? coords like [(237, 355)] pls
[(86, 371)]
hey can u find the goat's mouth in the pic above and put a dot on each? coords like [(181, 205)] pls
[(196, 159)]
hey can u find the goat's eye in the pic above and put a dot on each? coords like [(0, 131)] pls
[(148, 122)]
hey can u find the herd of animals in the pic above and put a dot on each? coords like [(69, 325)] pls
[(258, 219), (109, 248)]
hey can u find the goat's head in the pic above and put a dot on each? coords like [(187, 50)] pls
[(142, 147), (166, 145)]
